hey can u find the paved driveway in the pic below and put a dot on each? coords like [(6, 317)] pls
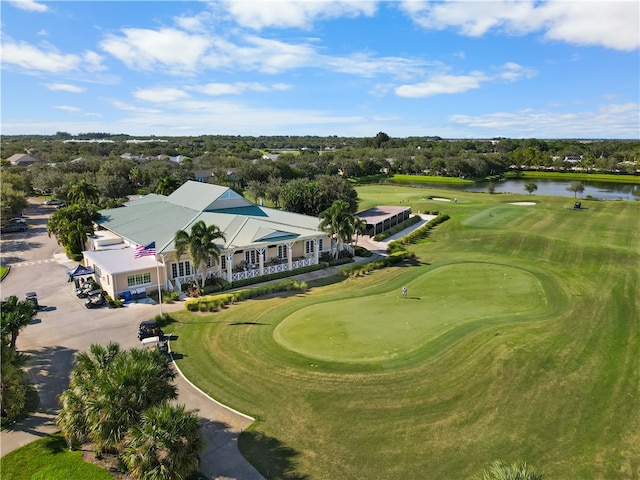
[(65, 327)]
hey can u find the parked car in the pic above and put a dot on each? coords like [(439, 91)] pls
[(52, 201), (12, 227), (149, 328), (22, 220)]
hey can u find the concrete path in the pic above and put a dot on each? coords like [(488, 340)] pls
[(65, 327)]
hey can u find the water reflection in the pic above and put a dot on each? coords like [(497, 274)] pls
[(599, 189)]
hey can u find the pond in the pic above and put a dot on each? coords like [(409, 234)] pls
[(595, 189)]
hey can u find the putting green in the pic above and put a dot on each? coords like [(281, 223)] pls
[(386, 326)]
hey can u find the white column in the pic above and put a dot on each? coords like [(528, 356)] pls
[(316, 254), (290, 256), (260, 260), (229, 267)]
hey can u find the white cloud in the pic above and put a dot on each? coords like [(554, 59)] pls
[(442, 84), (511, 72), (170, 50), (46, 59), (612, 24), (216, 89), (67, 108), (29, 5), (619, 118), (160, 94), (259, 14), (64, 87)]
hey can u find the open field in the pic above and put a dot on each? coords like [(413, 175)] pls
[(520, 341)]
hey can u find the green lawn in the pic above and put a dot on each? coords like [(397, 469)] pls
[(520, 341), (49, 459)]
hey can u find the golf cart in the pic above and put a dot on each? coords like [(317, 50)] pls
[(33, 298), (149, 328), (95, 299), (158, 342)]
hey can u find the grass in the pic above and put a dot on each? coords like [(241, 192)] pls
[(594, 177), (3, 271), (49, 459), (418, 179), (545, 371)]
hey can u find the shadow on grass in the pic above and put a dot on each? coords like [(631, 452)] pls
[(270, 456), (248, 323)]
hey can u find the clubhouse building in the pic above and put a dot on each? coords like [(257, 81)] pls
[(258, 240)]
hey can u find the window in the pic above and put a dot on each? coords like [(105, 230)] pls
[(320, 244), (180, 269), (96, 269), (308, 246), (139, 279), (283, 251), (251, 257)]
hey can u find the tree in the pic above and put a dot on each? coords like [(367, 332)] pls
[(13, 379), (165, 445), (12, 201), (359, 227), (166, 185), (491, 188), (15, 316), (500, 470), (338, 221), (83, 192), (530, 187), (109, 389), (200, 246), (576, 188), (71, 225)]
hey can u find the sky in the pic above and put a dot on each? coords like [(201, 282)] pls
[(454, 69)]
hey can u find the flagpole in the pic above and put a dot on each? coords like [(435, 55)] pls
[(159, 286)]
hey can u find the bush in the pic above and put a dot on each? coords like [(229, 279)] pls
[(212, 303)]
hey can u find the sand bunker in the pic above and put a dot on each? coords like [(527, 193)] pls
[(438, 199), (522, 203)]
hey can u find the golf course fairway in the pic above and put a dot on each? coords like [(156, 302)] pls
[(519, 340), (384, 326)]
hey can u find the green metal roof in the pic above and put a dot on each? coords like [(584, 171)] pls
[(157, 218)]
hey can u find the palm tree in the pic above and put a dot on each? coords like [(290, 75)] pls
[(166, 185), (108, 391), (77, 235), (15, 316), (337, 221), (500, 470), (83, 192), (165, 445), (200, 246), (360, 227)]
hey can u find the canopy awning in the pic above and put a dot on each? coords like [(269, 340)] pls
[(80, 271)]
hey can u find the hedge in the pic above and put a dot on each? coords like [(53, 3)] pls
[(212, 303)]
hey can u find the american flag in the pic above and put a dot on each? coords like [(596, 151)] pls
[(145, 250)]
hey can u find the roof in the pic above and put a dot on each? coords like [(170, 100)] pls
[(381, 213), (245, 224), (120, 260), (22, 159)]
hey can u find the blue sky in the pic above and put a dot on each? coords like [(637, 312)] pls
[(469, 69)]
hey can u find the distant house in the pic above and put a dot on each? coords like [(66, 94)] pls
[(22, 160), (258, 240), (203, 176)]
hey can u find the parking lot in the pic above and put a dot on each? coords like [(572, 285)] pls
[(63, 327)]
